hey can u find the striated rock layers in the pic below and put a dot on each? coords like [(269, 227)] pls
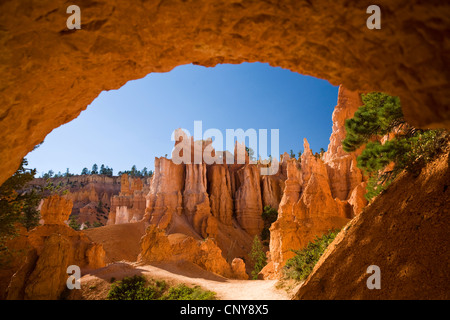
[(129, 205), (321, 192), (50, 249)]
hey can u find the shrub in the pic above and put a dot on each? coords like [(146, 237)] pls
[(183, 292), (133, 288), (137, 288), (301, 265)]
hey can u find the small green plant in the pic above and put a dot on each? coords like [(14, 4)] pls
[(258, 257), (133, 288), (183, 292), (138, 288), (97, 224), (74, 224), (301, 265)]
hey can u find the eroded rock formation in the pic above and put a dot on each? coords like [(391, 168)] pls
[(51, 248), (216, 201), (321, 192), (157, 246), (129, 205), (238, 269)]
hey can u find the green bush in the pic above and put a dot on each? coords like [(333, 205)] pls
[(133, 288), (301, 265), (137, 288), (183, 292)]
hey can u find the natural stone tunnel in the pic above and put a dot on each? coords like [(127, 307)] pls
[(50, 74)]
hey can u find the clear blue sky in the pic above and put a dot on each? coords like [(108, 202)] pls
[(133, 125)]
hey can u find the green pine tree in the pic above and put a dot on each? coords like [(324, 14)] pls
[(258, 257), (17, 206), (292, 154), (380, 115)]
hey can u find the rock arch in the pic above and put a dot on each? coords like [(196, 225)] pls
[(50, 74)]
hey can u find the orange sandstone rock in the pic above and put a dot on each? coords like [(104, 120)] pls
[(238, 269), (157, 246), (51, 249), (56, 209)]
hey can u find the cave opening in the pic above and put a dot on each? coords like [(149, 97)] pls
[(134, 124)]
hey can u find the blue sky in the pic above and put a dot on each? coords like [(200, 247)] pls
[(133, 125)]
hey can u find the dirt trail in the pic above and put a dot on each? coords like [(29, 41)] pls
[(95, 285)]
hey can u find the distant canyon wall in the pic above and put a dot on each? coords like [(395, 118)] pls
[(91, 195)]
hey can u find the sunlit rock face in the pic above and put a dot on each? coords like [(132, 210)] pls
[(322, 192), (323, 38), (157, 246)]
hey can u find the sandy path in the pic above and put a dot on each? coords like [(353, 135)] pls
[(96, 284)]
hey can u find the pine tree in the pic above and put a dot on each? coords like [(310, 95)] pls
[(94, 169), (250, 152), (17, 206), (380, 115), (74, 224), (258, 257), (322, 151), (292, 154)]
